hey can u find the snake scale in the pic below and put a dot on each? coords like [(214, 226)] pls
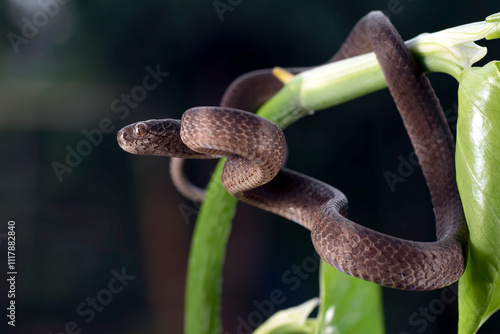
[(256, 151)]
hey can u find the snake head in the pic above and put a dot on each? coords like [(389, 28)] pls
[(159, 137)]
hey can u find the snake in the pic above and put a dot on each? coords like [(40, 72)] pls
[(256, 153)]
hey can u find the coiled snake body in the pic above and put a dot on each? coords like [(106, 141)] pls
[(256, 151)]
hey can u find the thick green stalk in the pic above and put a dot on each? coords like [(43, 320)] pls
[(208, 250)]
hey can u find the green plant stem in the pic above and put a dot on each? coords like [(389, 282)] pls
[(208, 250)]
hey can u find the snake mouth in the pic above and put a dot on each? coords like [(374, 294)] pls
[(130, 143), (125, 138), (122, 137)]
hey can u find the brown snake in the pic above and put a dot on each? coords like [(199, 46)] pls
[(256, 152)]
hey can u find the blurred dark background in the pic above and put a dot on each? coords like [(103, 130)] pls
[(81, 223)]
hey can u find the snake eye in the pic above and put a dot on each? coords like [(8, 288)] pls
[(140, 129)]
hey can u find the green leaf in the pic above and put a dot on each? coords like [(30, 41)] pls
[(478, 178), (348, 304), (290, 321), (208, 249)]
